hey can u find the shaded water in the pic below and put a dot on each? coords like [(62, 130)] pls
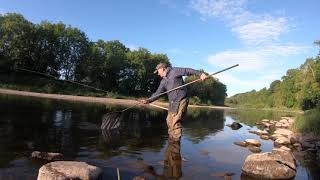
[(139, 147)]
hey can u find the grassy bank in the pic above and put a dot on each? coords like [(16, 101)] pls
[(308, 122), (39, 84)]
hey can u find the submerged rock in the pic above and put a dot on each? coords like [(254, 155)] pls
[(278, 164), (258, 132), (240, 143), (235, 126), (69, 170), (253, 142), (254, 149)]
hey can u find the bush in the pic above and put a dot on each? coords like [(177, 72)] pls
[(309, 122)]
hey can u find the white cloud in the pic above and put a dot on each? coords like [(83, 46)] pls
[(247, 60), (261, 31), (236, 84), (252, 29), (283, 50), (255, 58), (235, 81), (258, 67)]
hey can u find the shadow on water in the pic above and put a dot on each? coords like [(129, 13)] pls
[(138, 146)]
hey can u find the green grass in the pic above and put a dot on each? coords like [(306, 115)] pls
[(308, 122)]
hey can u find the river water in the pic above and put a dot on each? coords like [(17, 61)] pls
[(139, 147)]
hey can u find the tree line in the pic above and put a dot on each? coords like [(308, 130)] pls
[(66, 53), (298, 89)]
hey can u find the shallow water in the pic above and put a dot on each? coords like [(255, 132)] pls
[(139, 147)]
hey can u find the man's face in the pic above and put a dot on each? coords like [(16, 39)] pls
[(162, 72)]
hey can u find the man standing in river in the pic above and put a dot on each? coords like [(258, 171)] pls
[(178, 100)]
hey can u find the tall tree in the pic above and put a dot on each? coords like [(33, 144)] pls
[(16, 42)]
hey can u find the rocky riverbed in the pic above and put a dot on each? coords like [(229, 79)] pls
[(288, 146)]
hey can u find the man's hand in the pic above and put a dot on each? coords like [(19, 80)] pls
[(144, 101), (203, 76)]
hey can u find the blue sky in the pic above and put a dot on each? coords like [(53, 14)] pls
[(265, 37)]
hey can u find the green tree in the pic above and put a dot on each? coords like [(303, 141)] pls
[(210, 91), (16, 42), (139, 76)]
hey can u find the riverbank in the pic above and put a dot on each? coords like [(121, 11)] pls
[(112, 101)]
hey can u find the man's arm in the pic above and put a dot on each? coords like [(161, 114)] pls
[(154, 97), (185, 72), (188, 72)]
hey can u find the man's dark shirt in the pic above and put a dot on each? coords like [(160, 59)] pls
[(172, 80)]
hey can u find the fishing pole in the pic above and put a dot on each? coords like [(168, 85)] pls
[(74, 82), (85, 85)]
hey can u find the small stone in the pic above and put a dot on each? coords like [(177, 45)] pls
[(278, 125), (222, 174), (235, 126), (297, 145), (276, 136), (253, 142), (282, 141), (266, 124), (285, 125), (254, 149), (49, 156), (240, 143), (284, 121), (284, 132), (265, 137), (285, 148), (139, 178), (292, 139), (258, 132)]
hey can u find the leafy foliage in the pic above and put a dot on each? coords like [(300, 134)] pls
[(65, 53)]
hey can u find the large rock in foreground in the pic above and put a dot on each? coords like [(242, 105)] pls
[(69, 170), (278, 164)]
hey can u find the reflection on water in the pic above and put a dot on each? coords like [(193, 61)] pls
[(139, 146)]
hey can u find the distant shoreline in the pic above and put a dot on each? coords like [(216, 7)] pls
[(100, 100)]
